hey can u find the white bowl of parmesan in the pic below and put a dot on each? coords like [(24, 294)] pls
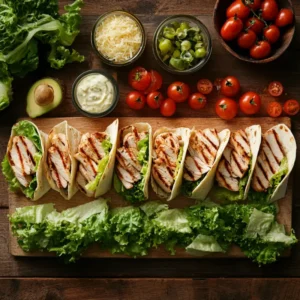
[(119, 38)]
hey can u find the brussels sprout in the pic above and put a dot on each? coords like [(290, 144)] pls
[(186, 45), (169, 33), (178, 64), (200, 53)]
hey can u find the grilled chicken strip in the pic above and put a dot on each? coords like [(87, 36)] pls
[(21, 158), (128, 167), (235, 161), (90, 152), (59, 160), (202, 152), (166, 151), (268, 161)]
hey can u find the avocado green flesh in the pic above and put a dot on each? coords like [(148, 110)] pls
[(33, 109)]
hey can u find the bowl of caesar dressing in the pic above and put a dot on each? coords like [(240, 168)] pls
[(95, 93)]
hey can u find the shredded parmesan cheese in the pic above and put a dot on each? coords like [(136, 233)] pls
[(118, 38)]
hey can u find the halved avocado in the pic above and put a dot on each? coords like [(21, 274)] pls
[(43, 96)]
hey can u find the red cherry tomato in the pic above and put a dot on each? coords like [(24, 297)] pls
[(168, 108), (246, 39), (250, 103), (136, 100), (197, 101), (274, 109), (255, 24), (217, 83), (253, 4), (178, 91), (238, 9), (275, 89), (155, 99), (260, 50), (231, 28), (291, 107), (226, 108), (272, 34), (156, 82), (139, 79), (269, 10), (230, 86), (285, 17), (204, 86)]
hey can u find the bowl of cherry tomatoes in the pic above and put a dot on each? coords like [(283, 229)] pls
[(257, 31)]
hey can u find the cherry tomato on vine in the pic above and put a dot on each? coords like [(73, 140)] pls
[(136, 100), (226, 108), (155, 99), (260, 50), (156, 82), (272, 34), (230, 86), (275, 89), (255, 24), (285, 17), (246, 39), (178, 91), (197, 101), (269, 10), (274, 109), (204, 86), (139, 79), (238, 9), (250, 103), (231, 28), (253, 4), (168, 107), (291, 107)]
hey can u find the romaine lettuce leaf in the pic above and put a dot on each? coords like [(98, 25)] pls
[(187, 187), (204, 245)]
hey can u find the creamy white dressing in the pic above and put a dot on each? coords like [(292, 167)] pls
[(95, 93)]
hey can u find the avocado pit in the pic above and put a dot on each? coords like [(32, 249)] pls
[(44, 94)]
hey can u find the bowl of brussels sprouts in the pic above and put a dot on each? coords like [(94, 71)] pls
[(182, 44)]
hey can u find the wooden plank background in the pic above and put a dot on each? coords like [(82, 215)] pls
[(253, 77)]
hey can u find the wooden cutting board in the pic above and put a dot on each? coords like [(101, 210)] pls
[(91, 125)]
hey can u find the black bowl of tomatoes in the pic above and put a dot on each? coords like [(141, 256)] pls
[(257, 31)]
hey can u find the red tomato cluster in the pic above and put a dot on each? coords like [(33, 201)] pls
[(255, 25), (227, 108), (145, 83), (274, 109)]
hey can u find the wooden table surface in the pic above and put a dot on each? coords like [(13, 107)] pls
[(34, 278)]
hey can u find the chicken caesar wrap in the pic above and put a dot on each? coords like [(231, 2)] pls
[(169, 152), (23, 164), (274, 164), (235, 169), (133, 162), (61, 165), (203, 155), (96, 156)]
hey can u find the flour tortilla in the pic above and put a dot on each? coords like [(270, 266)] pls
[(185, 135), (206, 184), (287, 141), (73, 138), (106, 180), (42, 182), (141, 127)]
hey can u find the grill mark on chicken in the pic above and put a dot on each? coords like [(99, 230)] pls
[(211, 142), (57, 177), (27, 149), (21, 159), (91, 142)]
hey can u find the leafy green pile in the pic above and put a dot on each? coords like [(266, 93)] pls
[(201, 229), (27, 129), (136, 194), (24, 25)]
